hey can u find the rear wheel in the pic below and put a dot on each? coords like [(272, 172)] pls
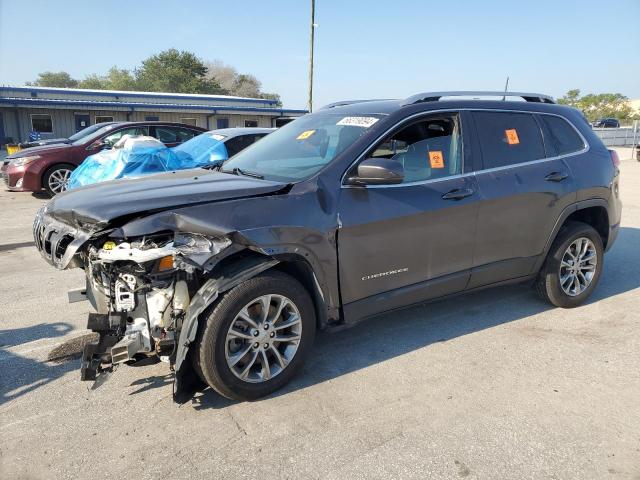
[(573, 266), (55, 179), (257, 337)]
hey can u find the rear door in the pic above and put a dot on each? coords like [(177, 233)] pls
[(523, 190), (405, 243)]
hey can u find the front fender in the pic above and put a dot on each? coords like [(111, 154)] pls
[(232, 275)]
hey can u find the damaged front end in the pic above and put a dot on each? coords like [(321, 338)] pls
[(141, 288)]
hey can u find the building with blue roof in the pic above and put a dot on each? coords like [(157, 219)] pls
[(61, 112)]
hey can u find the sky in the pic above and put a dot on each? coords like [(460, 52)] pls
[(363, 48)]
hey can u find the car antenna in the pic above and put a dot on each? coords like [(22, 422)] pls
[(506, 87)]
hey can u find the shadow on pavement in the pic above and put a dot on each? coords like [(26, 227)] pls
[(397, 333), (13, 246), (21, 375), (18, 336)]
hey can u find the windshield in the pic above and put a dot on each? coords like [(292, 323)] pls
[(204, 148), (92, 135), (301, 148), (86, 131)]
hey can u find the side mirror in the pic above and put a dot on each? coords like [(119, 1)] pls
[(99, 145), (378, 171)]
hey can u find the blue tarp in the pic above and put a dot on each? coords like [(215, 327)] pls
[(134, 157)]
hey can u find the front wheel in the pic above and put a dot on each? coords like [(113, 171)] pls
[(257, 337), (55, 179), (573, 266)]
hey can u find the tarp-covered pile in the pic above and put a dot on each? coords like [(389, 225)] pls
[(130, 157)]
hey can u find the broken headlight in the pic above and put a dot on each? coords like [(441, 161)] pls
[(191, 243)]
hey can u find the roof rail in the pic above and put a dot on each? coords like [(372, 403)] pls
[(349, 102), (435, 96)]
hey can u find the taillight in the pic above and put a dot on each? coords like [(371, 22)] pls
[(614, 158)]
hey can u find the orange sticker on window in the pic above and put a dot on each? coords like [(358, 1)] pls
[(512, 136), (436, 159), (306, 134)]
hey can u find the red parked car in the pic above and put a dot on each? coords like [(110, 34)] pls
[(49, 167)]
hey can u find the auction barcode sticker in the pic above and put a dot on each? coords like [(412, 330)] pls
[(364, 122)]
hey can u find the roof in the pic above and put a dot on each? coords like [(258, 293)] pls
[(233, 132), (158, 123), (448, 100), (134, 93), (142, 101)]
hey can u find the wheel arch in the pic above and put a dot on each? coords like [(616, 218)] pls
[(593, 212), (232, 271), (294, 264)]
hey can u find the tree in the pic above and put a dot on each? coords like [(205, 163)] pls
[(121, 79), (224, 75), (54, 79), (599, 105), (246, 86), (240, 84), (175, 71), (168, 71), (94, 82), (272, 96)]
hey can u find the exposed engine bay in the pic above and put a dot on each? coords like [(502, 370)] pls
[(141, 290)]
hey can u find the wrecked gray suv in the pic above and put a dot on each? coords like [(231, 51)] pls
[(356, 209)]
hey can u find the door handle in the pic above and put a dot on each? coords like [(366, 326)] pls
[(458, 194), (556, 176)]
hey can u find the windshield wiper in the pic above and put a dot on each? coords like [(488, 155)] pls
[(244, 173)]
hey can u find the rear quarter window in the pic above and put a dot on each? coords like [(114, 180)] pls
[(560, 138), (508, 138)]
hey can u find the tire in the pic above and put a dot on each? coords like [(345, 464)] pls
[(213, 353), (549, 283), (54, 175)]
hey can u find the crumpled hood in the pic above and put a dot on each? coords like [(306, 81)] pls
[(104, 202)]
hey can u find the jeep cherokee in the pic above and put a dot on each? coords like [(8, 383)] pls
[(359, 208)]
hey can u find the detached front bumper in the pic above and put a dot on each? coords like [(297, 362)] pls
[(57, 242)]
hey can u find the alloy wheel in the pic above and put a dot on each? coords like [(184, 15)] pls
[(578, 266), (263, 338), (59, 179)]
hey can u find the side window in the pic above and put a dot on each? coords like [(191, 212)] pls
[(560, 138), (251, 139), (427, 149), (115, 136), (234, 145), (167, 135), (508, 138), (185, 134)]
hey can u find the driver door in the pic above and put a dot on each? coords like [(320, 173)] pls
[(409, 242)]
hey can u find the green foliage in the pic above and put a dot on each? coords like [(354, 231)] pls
[(170, 71), (121, 79), (601, 105), (94, 82), (54, 79), (272, 96), (175, 71)]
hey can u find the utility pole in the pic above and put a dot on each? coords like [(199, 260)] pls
[(313, 26)]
